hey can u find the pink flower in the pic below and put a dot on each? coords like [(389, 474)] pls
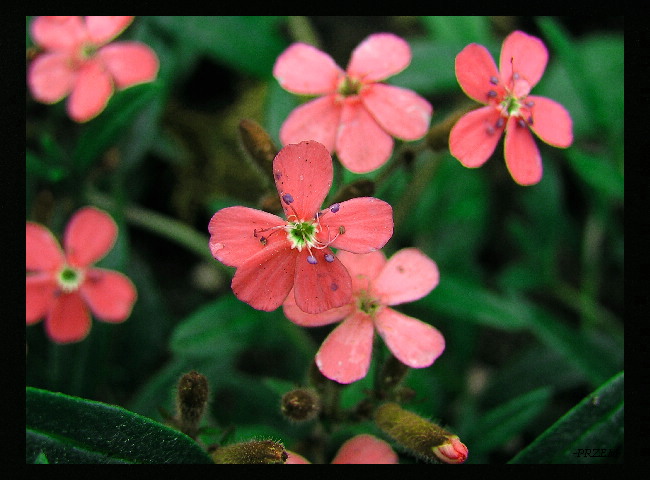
[(345, 354), (273, 255), (453, 451), (474, 137), (63, 284), (355, 115), (361, 449), (78, 61)]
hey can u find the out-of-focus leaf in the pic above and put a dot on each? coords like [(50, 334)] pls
[(599, 173), (460, 29), (596, 423), (72, 430), (36, 166)]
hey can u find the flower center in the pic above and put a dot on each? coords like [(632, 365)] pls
[(349, 86), (367, 304), (302, 234), (511, 102), (69, 279), (87, 50)]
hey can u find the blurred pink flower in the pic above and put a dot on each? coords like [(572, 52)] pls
[(62, 285), (361, 449), (79, 61), (474, 137), (355, 115), (345, 354), (273, 255)]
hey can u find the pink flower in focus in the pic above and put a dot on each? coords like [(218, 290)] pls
[(273, 255), (63, 285), (474, 137), (355, 115), (377, 284), (78, 61), (361, 449)]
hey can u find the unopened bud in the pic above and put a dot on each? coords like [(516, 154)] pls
[(258, 144), (254, 452), (191, 401), (421, 437), (301, 405)]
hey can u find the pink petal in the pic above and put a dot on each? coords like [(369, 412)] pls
[(363, 268), (50, 77), (362, 145), (304, 69), (90, 94), (365, 449), (103, 29), (89, 236), (69, 319), (42, 250), (295, 459), (363, 225), (551, 122), (297, 316), (523, 54), (130, 63), (474, 137), (401, 112), (233, 234), (345, 354), (265, 279), (315, 120), (475, 68), (522, 155), (321, 286), (413, 342), (305, 172), (378, 57), (39, 294), (408, 276), (110, 295), (61, 33)]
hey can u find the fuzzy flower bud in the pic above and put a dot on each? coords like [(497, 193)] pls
[(301, 405), (422, 438), (254, 452), (191, 401), (258, 144)]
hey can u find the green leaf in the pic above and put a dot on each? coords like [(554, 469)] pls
[(460, 29), (596, 423), (599, 173), (68, 429)]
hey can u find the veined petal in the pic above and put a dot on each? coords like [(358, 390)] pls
[(413, 342), (91, 91), (305, 172), (39, 294), (401, 112), (265, 279), (50, 77), (474, 137), (345, 354), (321, 286), (42, 250), (363, 225), (363, 268), (475, 68), (297, 316), (523, 54), (551, 122), (365, 449), (89, 236), (316, 120), (61, 33), (304, 69), (522, 155), (379, 56), (362, 145), (129, 63), (234, 236), (407, 276), (103, 29), (110, 295), (68, 320)]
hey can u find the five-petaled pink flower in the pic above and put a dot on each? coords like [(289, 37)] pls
[(78, 61), (509, 107), (361, 449), (377, 283), (62, 285), (355, 116), (273, 255)]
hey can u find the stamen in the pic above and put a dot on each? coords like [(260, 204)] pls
[(494, 80), (489, 130), (341, 229), (521, 122), (287, 198), (515, 76), (492, 94), (263, 240), (329, 257), (500, 122), (530, 120), (312, 260), (335, 208), (530, 104)]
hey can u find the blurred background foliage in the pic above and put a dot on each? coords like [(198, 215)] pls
[(530, 299)]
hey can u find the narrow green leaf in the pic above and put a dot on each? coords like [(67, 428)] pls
[(73, 430), (599, 173), (595, 424)]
